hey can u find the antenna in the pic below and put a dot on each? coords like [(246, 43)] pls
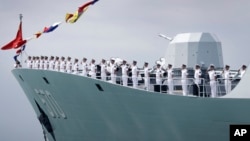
[(165, 37), (20, 17)]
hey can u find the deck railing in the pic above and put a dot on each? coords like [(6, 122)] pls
[(201, 90)]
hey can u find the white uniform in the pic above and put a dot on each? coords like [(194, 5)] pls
[(75, 68), (158, 76), (146, 78), (42, 64), (69, 67), (62, 66), (124, 75), (103, 72), (51, 65), (227, 81), (29, 64), (184, 81), (242, 72), (170, 81), (197, 75), (93, 71), (37, 64), (46, 64), (212, 83), (84, 68), (57, 65), (134, 76), (112, 73)]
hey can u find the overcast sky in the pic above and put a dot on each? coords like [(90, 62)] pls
[(111, 28)]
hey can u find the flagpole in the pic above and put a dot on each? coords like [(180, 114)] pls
[(20, 18)]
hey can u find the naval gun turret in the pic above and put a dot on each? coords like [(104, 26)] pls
[(194, 48)]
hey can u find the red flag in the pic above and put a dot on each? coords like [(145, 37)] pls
[(17, 42)]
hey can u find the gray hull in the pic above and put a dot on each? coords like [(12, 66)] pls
[(84, 109)]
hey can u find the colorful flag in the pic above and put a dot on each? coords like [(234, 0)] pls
[(51, 28), (72, 18), (20, 50), (38, 34), (15, 57), (17, 42)]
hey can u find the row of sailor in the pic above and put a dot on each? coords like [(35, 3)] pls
[(54, 63)]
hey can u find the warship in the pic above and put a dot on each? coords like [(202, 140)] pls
[(72, 107)]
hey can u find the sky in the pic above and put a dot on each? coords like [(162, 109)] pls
[(110, 28)]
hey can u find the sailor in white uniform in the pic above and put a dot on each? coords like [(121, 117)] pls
[(42, 62), (62, 65), (92, 72), (146, 76), (113, 71), (84, 67), (76, 67), (51, 63), (37, 63), (103, 70), (158, 75), (33, 61), (124, 67), (134, 74), (227, 81), (242, 71), (197, 79), (29, 62), (170, 79), (212, 77), (46, 63), (69, 65), (184, 79), (57, 64)]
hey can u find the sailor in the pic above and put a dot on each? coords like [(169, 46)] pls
[(69, 65), (57, 64), (29, 62), (227, 81), (76, 67), (62, 64), (184, 79), (37, 63), (92, 69), (242, 71), (113, 70), (158, 75), (33, 61), (124, 67), (103, 70), (170, 79), (42, 62), (197, 79), (51, 63), (135, 74), (84, 66), (146, 76), (46, 63), (212, 77)]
